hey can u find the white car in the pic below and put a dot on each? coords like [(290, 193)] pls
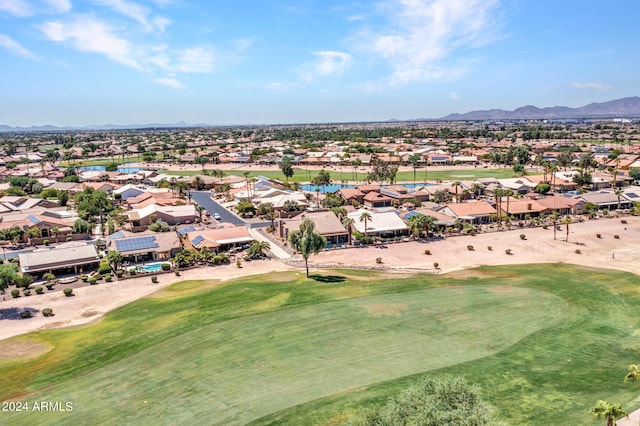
[(216, 216)]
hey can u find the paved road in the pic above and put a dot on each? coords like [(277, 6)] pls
[(203, 198)]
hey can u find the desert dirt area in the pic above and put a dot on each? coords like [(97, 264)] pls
[(92, 302)]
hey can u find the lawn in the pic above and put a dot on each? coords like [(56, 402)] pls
[(305, 176), (543, 342)]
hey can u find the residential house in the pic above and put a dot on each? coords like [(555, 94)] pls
[(382, 223), (220, 239), (145, 246), (140, 219), (473, 212), (326, 223), (61, 260)]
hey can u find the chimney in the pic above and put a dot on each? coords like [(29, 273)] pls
[(529, 206)]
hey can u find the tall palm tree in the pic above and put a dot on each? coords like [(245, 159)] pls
[(554, 221), (607, 410), (347, 222), (415, 224), (508, 193), (567, 221), (365, 217), (455, 185), (619, 193)]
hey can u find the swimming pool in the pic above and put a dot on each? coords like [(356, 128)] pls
[(150, 267)]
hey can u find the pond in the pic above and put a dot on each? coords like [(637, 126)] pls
[(334, 186)]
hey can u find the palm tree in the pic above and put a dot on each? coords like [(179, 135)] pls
[(607, 410), (633, 374), (258, 249), (428, 223), (477, 188), (306, 241), (55, 231), (567, 221), (347, 222), (415, 224), (456, 184), (414, 160), (554, 221), (497, 195), (619, 193), (508, 193), (365, 217)]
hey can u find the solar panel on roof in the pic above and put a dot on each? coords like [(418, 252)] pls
[(137, 243), (197, 240), (631, 195), (33, 219), (182, 232), (116, 235)]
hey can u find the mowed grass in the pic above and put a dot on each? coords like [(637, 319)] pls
[(305, 176), (544, 342)]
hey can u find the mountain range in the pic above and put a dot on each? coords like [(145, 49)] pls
[(618, 108), (625, 107)]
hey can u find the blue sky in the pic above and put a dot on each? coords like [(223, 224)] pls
[(70, 62)]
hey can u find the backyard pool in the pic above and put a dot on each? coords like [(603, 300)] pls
[(150, 267)]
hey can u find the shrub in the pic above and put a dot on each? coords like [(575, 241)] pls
[(50, 285), (166, 266), (84, 277), (25, 314), (104, 268), (617, 237), (69, 239), (378, 260), (39, 289), (108, 278), (132, 271), (15, 293), (68, 291), (26, 292), (46, 242), (47, 312), (98, 276), (598, 235), (470, 247), (624, 221), (238, 264), (427, 252), (489, 248), (578, 251), (119, 273), (154, 279), (523, 237), (93, 280), (508, 251), (177, 273), (545, 226), (436, 264)]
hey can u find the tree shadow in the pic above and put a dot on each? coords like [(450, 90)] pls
[(328, 278), (15, 313)]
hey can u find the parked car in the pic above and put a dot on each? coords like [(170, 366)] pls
[(216, 216)]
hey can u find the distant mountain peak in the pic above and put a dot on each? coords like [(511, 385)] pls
[(625, 107)]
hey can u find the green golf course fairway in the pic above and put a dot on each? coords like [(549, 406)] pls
[(285, 349)]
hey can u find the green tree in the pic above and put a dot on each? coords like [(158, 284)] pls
[(436, 401), (306, 241), (567, 221), (322, 178), (414, 161), (365, 217), (286, 165), (607, 410), (114, 258), (81, 226), (8, 275), (258, 249), (347, 222)]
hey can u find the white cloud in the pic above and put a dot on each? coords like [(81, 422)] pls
[(88, 34), (16, 7), (171, 82), (138, 13), (423, 33), (194, 60), (454, 96), (59, 6), (327, 63), (14, 47), (591, 86)]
